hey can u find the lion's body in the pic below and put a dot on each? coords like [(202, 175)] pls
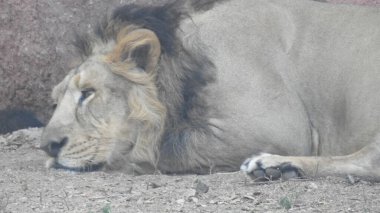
[(288, 77), (286, 68)]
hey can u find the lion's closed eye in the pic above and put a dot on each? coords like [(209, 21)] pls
[(85, 93)]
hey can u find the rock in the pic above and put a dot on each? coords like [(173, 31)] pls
[(312, 186), (212, 202), (190, 193), (200, 187), (256, 193), (193, 199), (352, 180), (153, 185), (180, 201)]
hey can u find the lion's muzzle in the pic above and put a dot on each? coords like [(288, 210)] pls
[(53, 147)]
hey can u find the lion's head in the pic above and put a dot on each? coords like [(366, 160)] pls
[(108, 107), (137, 86)]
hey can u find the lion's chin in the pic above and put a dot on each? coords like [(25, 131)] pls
[(53, 163)]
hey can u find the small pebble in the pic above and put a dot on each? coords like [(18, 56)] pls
[(200, 187), (180, 201)]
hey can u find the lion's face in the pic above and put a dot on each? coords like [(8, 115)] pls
[(90, 111), (105, 112)]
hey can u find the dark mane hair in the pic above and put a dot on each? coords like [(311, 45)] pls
[(182, 74), (162, 20)]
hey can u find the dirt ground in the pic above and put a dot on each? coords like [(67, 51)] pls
[(26, 186)]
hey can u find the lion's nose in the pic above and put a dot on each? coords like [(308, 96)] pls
[(54, 147)]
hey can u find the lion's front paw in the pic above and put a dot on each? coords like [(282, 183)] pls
[(270, 167)]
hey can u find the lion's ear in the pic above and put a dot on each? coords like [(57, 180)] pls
[(140, 47)]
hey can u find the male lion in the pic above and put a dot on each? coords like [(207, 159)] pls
[(162, 90)]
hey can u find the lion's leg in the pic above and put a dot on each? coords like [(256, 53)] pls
[(363, 163)]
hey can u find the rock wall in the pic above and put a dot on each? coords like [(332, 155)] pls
[(35, 46)]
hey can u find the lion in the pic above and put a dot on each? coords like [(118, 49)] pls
[(179, 88)]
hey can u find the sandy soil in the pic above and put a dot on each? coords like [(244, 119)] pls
[(26, 186)]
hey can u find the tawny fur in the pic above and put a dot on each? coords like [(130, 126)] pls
[(163, 90)]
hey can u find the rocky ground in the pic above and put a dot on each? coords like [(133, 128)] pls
[(26, 186)]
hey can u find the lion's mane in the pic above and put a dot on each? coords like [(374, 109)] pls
[(182, 75)]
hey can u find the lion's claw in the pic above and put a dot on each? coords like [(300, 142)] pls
[(268, 167)]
